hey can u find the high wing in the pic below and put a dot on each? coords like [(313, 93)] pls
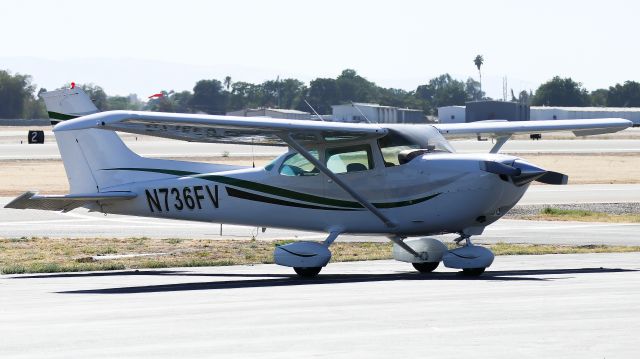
[(580, 127), (223, 129), (269, 131)]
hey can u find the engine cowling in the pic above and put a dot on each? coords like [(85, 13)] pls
[(433, 247), (468, 257), (302, 254)]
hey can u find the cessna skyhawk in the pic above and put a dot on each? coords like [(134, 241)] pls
[(395, 180)]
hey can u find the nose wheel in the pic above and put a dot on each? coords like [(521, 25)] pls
[(472, 272), (307, 272)]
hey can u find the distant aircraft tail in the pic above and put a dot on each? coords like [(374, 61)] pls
[(67, 104)]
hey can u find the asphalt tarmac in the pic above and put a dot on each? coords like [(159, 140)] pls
[(551, 306)]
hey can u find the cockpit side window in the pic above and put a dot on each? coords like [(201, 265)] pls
[(392, 144), (349, 159), (297, 165)]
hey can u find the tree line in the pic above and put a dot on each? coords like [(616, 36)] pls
[(18, 97)]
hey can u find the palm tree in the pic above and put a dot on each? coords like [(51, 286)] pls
[(479, 60), (227, 82)]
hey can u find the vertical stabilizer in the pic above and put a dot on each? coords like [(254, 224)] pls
[(67, 104)]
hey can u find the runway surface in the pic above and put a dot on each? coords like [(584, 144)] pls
[(150, 148), (569, 306), (167, 148), (588, 193), (80, 223)]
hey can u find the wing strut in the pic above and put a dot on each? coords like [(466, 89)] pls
[(366, 204), (499, 143)]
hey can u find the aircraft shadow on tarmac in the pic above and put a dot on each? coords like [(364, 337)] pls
[(261, 280)]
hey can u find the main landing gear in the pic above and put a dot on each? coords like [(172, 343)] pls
[(425, 254), (306, 258), (426, 267)]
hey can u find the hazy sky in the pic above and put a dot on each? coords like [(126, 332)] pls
[(146, 46)]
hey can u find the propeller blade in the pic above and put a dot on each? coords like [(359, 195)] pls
[(553, 178)]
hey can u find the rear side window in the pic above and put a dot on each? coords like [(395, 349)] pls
[(349, 159)]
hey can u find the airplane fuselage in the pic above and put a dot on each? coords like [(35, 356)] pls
[(435, 193)]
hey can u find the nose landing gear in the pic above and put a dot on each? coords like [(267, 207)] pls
[(472, 259), (307, 272)]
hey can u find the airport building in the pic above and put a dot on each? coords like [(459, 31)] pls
[(273, 113), (376, 113), (451, 114), (342, 113), (568, 113), (471, 113)]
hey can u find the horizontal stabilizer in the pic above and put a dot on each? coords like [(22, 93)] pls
[(65, 203)]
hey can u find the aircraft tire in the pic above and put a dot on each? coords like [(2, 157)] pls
[(472, 272), (307, 272), (426, 267)]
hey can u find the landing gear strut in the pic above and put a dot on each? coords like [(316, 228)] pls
[(463, 237)]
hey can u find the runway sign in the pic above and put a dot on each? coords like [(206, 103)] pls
[(35, 137)]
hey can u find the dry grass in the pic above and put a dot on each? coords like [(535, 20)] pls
[(555, 214), (43, 255), (29, 255)]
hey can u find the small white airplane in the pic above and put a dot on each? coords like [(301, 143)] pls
[(372, 179)]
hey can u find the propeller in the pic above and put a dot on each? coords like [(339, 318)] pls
[(522, 172), (553, 178)]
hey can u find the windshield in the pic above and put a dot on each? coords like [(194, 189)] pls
[(410, 138), (392, 144)]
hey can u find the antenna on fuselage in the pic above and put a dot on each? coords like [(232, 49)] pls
[(358, 108), (313, 109), (253, 158)]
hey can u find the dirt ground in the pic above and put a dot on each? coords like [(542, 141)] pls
[(48, 176), (591, 168)]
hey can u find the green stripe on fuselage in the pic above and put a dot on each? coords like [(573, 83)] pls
[(233, 192), (57, 116), (277, 191)]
